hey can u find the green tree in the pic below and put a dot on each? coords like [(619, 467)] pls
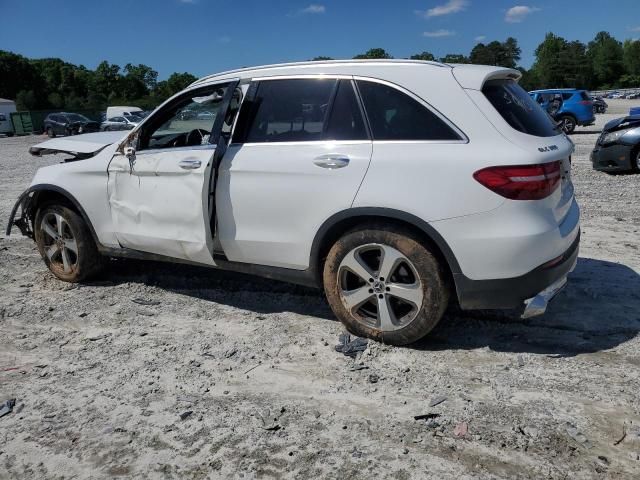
[(548, 68), (320, 58), (172, 85), (16, 74), (607, 59), (631, 56), (455, 58), (428, 56), (503, 54), (26, 100), (106, 79), (373, 54)]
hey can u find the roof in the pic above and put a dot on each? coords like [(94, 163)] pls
[(4, 100), (313, 65), (469, 76), (558, 90)]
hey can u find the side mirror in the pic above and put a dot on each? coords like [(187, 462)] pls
[(130, 153)]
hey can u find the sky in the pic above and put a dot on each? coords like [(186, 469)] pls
[(209, 36)]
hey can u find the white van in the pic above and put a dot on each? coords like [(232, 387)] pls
[(6, 107), (121, 111)]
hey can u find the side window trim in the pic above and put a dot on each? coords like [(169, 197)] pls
[(330, 106), (433, 110), (363, 112)]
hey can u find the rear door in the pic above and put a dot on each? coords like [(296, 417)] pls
[(300, 151), (160, 200)]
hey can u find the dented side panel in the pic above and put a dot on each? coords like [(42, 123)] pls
[(161, 207)]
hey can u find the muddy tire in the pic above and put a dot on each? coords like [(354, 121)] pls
[(383, 283), (50, 132), (65, 244)]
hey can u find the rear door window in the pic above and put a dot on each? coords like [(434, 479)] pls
[(292, 110), (518, 109), (394, 115)]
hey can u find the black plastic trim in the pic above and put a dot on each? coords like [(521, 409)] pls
[(390, 213), (507, 293)]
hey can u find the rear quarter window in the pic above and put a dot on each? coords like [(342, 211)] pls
[(394, 115), (518, 109)]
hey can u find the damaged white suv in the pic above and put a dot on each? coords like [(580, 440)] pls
[(397, 186)]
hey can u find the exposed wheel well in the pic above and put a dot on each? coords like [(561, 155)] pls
[(50, 194), (44, 197), (339, 228)]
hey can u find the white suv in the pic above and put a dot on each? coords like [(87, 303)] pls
[(396, 186)]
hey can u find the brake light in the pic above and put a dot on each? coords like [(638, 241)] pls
[(521, 182), (586, 102)]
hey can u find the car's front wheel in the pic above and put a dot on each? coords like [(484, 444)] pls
[(65, 244), (635, 160), (50, 132), (382, 283)]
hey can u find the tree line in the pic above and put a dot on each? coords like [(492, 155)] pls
[(52, 83)]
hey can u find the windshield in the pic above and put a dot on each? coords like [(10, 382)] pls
[(76, 117), (518, 109)]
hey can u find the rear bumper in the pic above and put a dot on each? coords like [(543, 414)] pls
[(612, 158), (507, 293)]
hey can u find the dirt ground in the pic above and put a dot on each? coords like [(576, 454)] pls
[(227, 376)]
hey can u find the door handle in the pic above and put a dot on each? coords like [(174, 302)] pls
[(189, 164), (331, 161)]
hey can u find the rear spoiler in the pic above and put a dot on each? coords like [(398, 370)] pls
[(474, 76)]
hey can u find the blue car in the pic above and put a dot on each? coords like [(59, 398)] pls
[(569, 106)]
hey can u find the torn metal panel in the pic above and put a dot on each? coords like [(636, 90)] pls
[(154, 211), (79, 146)]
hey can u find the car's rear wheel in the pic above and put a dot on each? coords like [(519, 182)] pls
[(568, 124), (50, 132), (382, 283), (65, 244)]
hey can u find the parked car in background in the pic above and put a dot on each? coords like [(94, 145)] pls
[(393, 185), (599, 105), (614, 95), (63, 123), (632, 95), (618, 147), (568, 106), (120, 123)]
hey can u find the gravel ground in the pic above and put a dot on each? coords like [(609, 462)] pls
[(227, 376)]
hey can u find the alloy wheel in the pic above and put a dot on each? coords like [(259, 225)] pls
[(60, 245), (380, 287), (568, 125)]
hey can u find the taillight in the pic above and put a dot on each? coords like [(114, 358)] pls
[(586, 102), (521, 182)]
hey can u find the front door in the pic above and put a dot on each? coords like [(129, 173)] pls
[(300, 151), (160, 197)]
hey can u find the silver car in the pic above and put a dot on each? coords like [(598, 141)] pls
[(119, 123)]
